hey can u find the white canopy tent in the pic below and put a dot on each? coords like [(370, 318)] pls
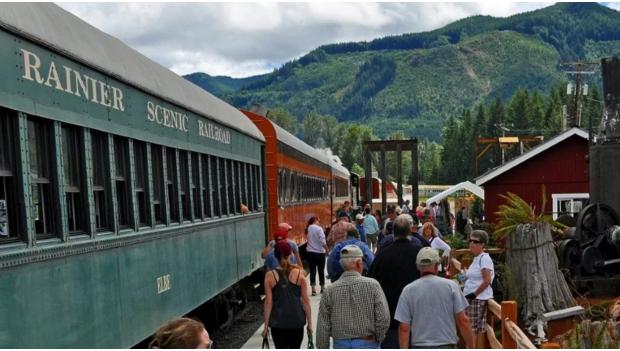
[(467, 185)]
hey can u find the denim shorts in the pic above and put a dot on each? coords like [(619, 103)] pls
[(357, 343)]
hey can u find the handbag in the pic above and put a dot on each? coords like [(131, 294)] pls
[(310, 342), (266, 341)]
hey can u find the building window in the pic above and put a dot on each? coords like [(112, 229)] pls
[(121, 155), (41, 151), (10, 214), (171, 183), (184, 184), (158, 183), (195, 185), (206, 192), (100, 178), (72, 151), (140, 163), (569, 204)]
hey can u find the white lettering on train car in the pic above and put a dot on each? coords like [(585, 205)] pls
[(163, 283), (72, 83), (211, 131), (166, 117)]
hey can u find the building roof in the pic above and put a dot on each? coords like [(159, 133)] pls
[(51, 26), (537, 150), (466, 185)]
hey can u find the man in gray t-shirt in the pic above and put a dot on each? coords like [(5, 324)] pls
[(430, 308)]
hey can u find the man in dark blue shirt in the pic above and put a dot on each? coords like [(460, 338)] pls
[(394, 268), (334, 269)]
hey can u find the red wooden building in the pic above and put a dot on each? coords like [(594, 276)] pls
[(559, 163)]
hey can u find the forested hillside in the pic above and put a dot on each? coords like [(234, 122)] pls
[(446, 87)]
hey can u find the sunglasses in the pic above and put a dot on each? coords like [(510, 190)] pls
[(472, 241)]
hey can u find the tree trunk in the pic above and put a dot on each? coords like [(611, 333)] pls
[(533, 264)]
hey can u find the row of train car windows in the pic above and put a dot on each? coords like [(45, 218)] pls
[(146, 184), (297, 187)]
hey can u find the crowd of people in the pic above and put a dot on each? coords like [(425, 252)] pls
[(389, 285)]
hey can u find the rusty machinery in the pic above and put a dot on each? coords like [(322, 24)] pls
[(591, 252)]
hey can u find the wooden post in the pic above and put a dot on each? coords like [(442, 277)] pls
[(414, 174), (509, 311), (368, 175), (383, 176), (550, 345), (399, 175)]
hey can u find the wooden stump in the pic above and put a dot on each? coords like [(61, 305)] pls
[(539, 285)]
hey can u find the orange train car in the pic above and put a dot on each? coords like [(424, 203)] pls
[(301, 180)]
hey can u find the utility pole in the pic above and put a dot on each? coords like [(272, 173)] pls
[(578, 69)]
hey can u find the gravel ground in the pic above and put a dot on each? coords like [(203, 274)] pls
[(236, 335)]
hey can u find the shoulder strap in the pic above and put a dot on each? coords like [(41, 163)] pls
[(298, 275), (480, 259), (275, 276)]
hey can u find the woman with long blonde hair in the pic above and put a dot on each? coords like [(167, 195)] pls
[(431, 234)]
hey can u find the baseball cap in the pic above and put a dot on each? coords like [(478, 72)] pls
[(281, 234), (351, 251), (427, 256), (359, 216), (285, 226)]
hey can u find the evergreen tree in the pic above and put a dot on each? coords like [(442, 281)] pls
[(536, 112), (518, 112), (449, 171), (284, 119), (467, 140)]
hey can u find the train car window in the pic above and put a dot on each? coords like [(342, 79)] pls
[(183, 168), (295, 187), (230, 183), (40, 148), (246, 185), (10, 212), (251, 189), (237, 173), (141, 171), (288, 182), (99, 147), (121, 160), (157, 169), (256, 187), (206, 186), (216, 186), (72, 149), (171, 182), (195, 185)]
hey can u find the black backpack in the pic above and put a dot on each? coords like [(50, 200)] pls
[(496, 284)]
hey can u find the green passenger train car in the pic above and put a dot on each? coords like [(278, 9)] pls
[(121, 187)]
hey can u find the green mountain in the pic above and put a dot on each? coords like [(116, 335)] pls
[(413, 82), (220, 85)]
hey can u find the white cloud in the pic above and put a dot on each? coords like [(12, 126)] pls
[(243, 39)]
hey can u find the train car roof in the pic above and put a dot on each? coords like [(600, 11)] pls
[(338, 166), (289, 139), (51, 26)]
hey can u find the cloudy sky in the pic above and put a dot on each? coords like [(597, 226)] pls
[(244, 39)]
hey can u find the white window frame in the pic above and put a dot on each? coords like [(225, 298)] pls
[(556, 198)]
